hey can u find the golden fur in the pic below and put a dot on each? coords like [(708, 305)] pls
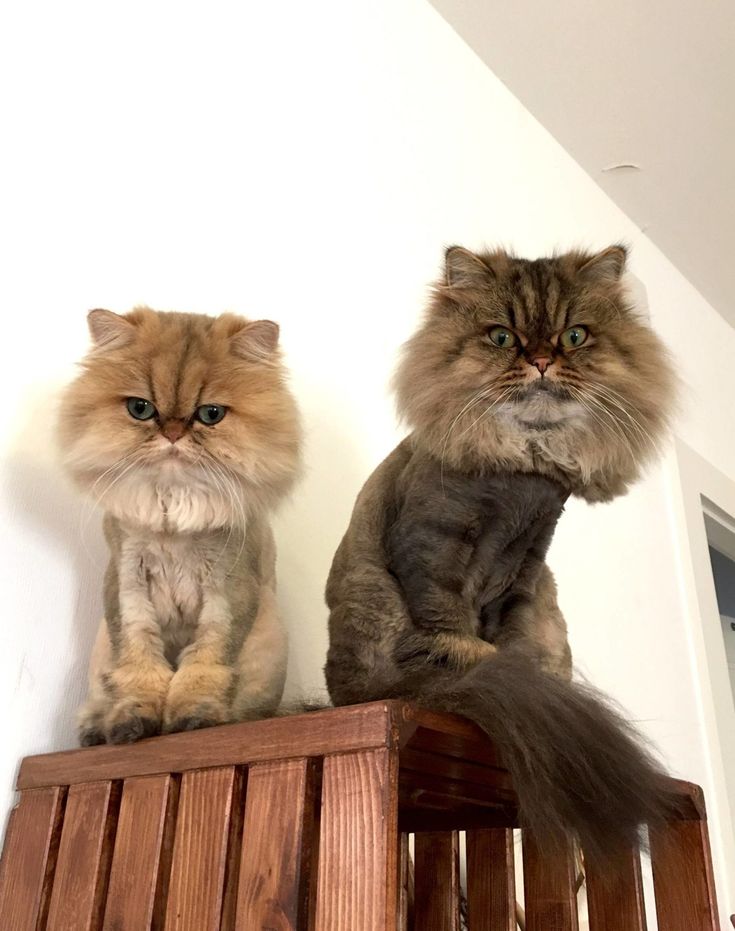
[(191, 635)]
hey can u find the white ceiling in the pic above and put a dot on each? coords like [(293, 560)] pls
[(648, 83)]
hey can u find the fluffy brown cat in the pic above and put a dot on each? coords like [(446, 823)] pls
[(182, 428), (527, 382)]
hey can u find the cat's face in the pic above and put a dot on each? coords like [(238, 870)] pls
[(181, 411), (539, 348)]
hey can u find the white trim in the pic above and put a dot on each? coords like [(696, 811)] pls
[(702, 496)]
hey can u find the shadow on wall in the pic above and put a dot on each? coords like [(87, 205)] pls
[(310, 525), (56, 558)]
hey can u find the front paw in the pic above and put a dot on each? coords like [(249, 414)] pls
[(195, 717), (459, 652), (129, 721)]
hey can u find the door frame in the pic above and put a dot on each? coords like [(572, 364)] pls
[(700, 495)]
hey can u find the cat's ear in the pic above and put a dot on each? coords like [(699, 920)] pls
[(606, 267), (109, 330), (257, 340), (463, 269)]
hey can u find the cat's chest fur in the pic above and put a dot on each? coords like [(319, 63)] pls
[(485, 535), (168, 577), (173, 572)]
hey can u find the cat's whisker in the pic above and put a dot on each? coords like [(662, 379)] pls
[(620, 401), (602, 394), (475, 399), (227, 482), (616, 423), (580, 398), (94, 501), (502, 397)]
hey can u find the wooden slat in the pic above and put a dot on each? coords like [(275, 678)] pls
[(234, 850), (29, 858), (491, 885), (85, 852), (682, 877), (134, 877), (200, 850), (358, 853), (549, 889), (405, 885), (278, 813), (615, 896), (310, 735), (437, 881)]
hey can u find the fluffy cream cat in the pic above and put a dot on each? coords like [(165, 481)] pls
[(182, 428)]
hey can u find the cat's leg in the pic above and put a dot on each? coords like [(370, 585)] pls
[(535, 619), (91, 716), (199, 692), (260, 669), (140, 674), (444, 629)]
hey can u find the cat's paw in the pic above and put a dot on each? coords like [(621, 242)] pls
[(128, 722), (91, 735), (462, 652), (442, 650), (206, 714)]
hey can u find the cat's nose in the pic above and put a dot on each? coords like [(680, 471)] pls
[(541, 363), (173, 430)]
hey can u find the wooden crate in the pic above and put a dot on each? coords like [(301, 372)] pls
[(303, 823)]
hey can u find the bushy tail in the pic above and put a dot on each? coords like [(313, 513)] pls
[(580, 770)]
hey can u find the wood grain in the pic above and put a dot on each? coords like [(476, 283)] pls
[(615, 896), (134, 877), (278, 813), (194, 901), (29, 859), (85, 853), (405, 884), (335, 730), (549, 889), (437, 881), (682, 877), (234, 850), (358, 852), (491, 885)]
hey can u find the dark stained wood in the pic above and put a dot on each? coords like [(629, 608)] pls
[(234, 849), (29, 859), (389, 766), (85, 853), (358, 852), (491, 885), (455, 749), (338, 729), (197, 878), (279, 802), (134, 877), (405, 885), (615, 897), (437, 881), (549, 889), (682, 877)]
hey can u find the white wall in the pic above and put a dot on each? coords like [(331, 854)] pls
[(308, 163)]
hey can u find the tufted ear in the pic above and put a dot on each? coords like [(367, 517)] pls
[(606, 267), (109, 330), (463, 269), (257, 340)]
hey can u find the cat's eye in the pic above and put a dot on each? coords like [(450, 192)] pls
[(502, 337), (573, 337), (140, 408), (210, 414)]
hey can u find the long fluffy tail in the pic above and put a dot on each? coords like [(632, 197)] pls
[(580, 770)]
